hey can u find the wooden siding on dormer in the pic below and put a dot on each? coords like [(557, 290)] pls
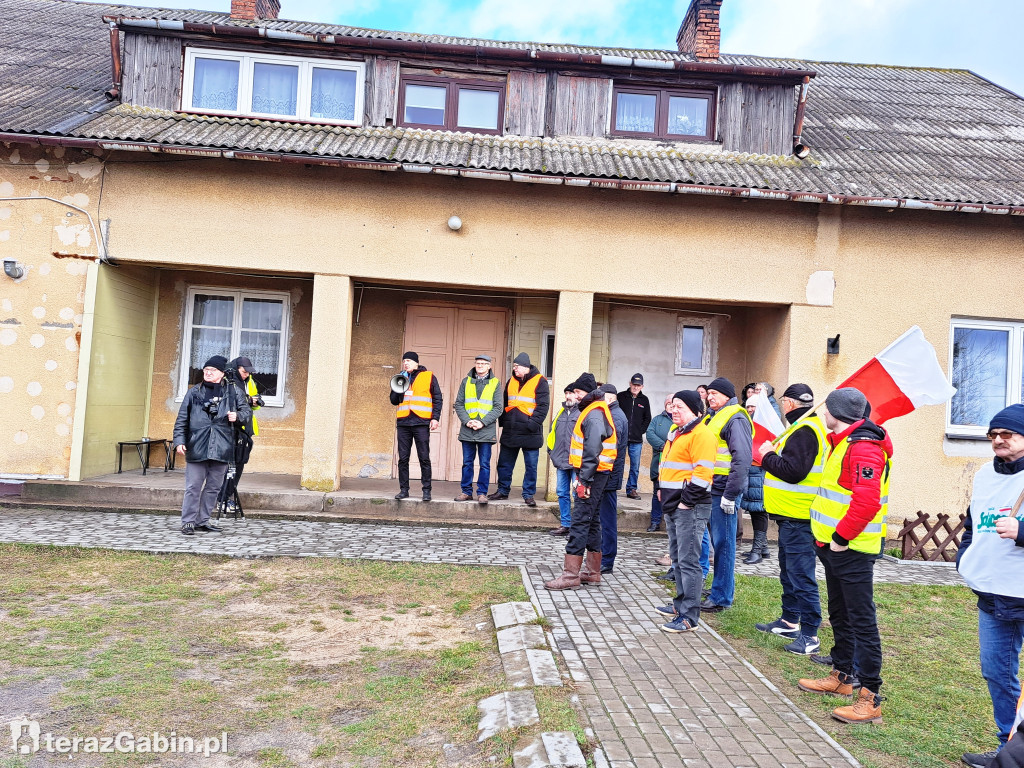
[(381, 91), (582, 105), (152, 71), (756, 118), (525, 103)]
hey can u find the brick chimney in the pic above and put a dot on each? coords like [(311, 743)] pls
[(699, 33), (250, 10)]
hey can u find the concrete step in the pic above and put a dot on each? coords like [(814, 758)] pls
[(552, 749), (505, 711)]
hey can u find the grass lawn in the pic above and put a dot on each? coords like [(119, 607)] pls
[(937, 705), (303, 662)]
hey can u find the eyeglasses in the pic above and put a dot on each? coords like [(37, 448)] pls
[(1002, 434)]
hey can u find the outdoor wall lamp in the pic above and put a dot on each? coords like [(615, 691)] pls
[(454, 223), (13, 269), (832, 345)]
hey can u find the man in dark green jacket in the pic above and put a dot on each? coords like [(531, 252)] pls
[(478, 406)]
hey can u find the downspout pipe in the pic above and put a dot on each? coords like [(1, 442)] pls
[(114, 93), (800, 150)]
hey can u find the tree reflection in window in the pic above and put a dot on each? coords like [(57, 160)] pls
[(980, 360)]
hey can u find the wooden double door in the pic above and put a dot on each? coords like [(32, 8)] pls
[(447, 340)]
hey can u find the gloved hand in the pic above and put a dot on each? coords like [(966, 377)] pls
[(728, 506), (583, 491)]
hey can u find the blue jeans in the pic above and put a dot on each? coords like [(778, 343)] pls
[(609, 528), (705, 553), (634, 465), (507, 463), (563, 487), (723, 540), (1000, 643), (656, 511), (469, 453), (801, 603)]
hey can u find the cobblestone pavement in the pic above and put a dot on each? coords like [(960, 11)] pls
[(652, 699)]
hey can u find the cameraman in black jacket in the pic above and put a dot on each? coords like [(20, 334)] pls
[(204, 433)]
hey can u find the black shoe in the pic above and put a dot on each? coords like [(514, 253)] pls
[(529, 501), (705, 594), (560, 531), (821, 658), (979, 759), (426, 495), (708, 607), (208, 527), (497, 496), (402, 495), (606, 569), (753, 557), (188, 529), (669, 575), (653, 527)]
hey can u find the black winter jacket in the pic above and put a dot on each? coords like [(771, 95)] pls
[(621, 441), (596, 430), (638, 414), (412, 420), (1012, 755), (206, 436), (1002, 607), (752, 499), (519, 430)]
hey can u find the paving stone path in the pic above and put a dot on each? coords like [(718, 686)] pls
[(652, 699)]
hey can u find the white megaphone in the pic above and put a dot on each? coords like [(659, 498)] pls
[(399, 383)]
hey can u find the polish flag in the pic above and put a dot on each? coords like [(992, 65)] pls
[(903, 376), (767, 424)]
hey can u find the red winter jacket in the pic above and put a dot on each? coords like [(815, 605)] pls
[(863, 465)]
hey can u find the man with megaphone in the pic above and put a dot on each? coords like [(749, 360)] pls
[(419, 412)]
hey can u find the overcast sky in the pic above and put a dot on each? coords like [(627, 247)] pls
[(980, 35)]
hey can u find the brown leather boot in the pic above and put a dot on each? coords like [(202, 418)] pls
[(863, 710), (570, 578), (591, 573), (836, 684)]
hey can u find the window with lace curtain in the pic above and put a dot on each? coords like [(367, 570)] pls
[(251, 324), (663, 113), (281, 87)]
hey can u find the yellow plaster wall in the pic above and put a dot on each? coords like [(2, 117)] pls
[(117, 398), (891, 269), (278, 447), (41, 314)]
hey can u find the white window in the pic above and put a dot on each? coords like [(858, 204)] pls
[(320, 90), (987, 368), (696, 345), (251, 324)]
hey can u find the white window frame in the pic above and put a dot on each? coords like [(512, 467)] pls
[(247, 62), (1014, 368), (547, 333), (709, 353), (276, 401)]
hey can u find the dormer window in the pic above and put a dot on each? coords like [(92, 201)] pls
[(451, 104), (277, 87), (662, 113)]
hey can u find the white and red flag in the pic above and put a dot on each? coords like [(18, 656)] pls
[(767, 424), (903, 376)]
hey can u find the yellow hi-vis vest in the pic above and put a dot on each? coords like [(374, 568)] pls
[(609, 448), (832, 501), (250, 389), (554, 426), (478, 406), (723, 458), (677, 467), (417, 397), (794, 499), (524, 398)]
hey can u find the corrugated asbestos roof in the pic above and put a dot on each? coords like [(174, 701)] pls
[(877, 131)]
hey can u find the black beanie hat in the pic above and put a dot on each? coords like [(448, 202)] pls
[(217, 361), (411, 356), (723, 385), (585, 382), (691, 398), (522, 359)]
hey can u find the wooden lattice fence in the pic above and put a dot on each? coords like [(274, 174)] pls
[(939, 540)]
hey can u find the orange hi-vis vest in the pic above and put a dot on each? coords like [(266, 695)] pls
[(609, 448), (417, 398), (688, 458), (524, 398)]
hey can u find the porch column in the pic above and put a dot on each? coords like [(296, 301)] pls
[(330, 339), (573, 324)]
